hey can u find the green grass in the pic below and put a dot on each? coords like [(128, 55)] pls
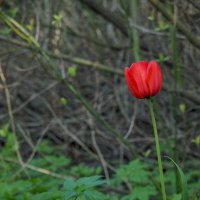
[(52, 176)]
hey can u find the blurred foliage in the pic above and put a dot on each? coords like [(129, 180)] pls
[(25, 184)]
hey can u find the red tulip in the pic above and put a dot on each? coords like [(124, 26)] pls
[(144, 79)]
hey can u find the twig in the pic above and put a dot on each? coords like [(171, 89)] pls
[(74, 137), (100, 155), (33, 152), (86, 63), (110, 16), (185, 30), (132, 121), (31, 98), (38, 169), (10, 113), (56, 74)]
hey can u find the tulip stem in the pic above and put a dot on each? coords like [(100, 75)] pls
[(157, 149)]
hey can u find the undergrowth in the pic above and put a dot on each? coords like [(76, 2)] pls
[(52, 176)]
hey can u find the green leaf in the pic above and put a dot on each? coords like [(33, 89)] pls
[(196, 140), (91, 181), (151, 18), (19, 29), (176, 197), (49, 195), (70, 184), (72, 71), (93, 195), (85, 171), (83, 188), (141, 193), (134, 172), (182, 107), (10, 147), (57, 19), (4, 130), (63, 101), (70, 195), (182, 181)]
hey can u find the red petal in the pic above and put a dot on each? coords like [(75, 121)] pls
[(154, 78), (132, 85), (138, 73)]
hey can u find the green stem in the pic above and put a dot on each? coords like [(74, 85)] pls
[(135, 38), (157, 149)]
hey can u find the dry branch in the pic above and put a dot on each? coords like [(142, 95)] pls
[(108, 15), (181, 27), (86, 63)]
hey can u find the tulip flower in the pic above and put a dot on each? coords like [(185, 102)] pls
[(144, 79)]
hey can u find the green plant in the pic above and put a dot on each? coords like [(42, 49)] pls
[(138, 176), (42, 178), (158, 150), (141, 179), (83, 189), (182, 181), (162, 26), (72, 71)]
